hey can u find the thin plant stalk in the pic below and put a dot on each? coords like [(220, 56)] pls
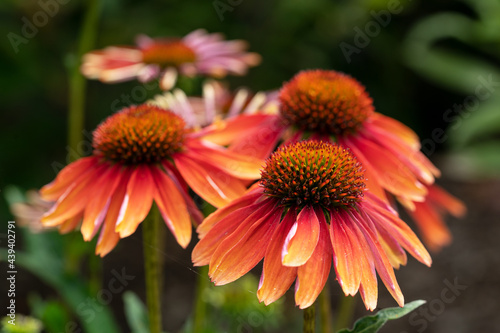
[(325, 310), (200, 308), (345, 313), (310, 319), (152, 264)]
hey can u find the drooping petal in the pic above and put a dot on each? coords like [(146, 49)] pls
[(137, 202), (276, 278), (209, 182), (172, 207), (397, 229), (239, 221), (237, 165), (445, 202), (108, 238), (240, 252), (301, 239), (391, 125), (261, 142), (382, 264), (393, 175), (74, 199), (413, 159), (395, 253), (345, 250), (312, 276), (97, 206), (242, 202), (224, 133), (70, 224), (434, 231), (67, 176)]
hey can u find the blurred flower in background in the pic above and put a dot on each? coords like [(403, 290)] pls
[(198, 53)]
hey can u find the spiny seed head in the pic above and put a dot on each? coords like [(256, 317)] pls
[(328, 102), (168, 53), (140, 134), (313, 173)]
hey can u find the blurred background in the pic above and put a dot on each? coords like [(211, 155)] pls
[(434, 65)]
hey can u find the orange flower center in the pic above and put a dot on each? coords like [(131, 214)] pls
[(168, 53), (328, 102), (140, 134), (312, 172)]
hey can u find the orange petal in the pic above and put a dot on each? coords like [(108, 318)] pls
[(68, 175), (399, 230), (364, 259), (137, 202), (241, 219), (97, 206), (240, 252), (276, 278), (237, 165), (391, 125), (108, 238), (221, 213), (224, 133), (434, 231), (301, 239), (209, 182), (382, 264), (345, 249), (70, 224), (74, 199), (312, 276), (395, 253), (172, 207), (445, 201), (261, 142), (393, 175), (412, 158)]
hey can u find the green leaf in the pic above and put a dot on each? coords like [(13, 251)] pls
[(371, 324), (136, 313)]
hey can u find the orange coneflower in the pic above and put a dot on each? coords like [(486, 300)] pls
[(332, 106), (197, 53), (144, 153), (310, 206)]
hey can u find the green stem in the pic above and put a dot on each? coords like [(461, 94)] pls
[(310, 319), (151, 245), (346, 310), (326, 310), (77, 83), (200, 307)]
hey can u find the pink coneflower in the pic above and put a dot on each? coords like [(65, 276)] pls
[(309, 207), (197, 53)]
